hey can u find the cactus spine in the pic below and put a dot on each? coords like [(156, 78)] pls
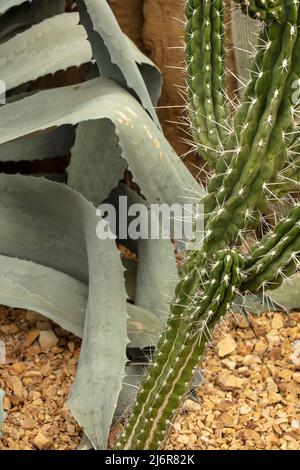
[(251, 152)]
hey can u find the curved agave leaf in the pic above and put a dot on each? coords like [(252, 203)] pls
[(63, 299), (54, 44), (25, 13), (47, 223), (113, 56), (40, 145), (7, 4), (156, 279), (288, 294), (150, 73), (141, 144), (156, 276)]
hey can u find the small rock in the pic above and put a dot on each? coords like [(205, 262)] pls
[(293, 445), (191, 405), (9, 329), (245, 409), (229, 381), (295, 423), (28, 423), (15, 383), (71, 428), (31, 337), (273, 338), (260, 347), (226, 346), (34, 349), (183, 439), (277, 321), (17, 368), (33, 317), (71, 346), (6, 403), (42, 442), (228, 364), (271, 385), (296, 377), (48, 340), (46, 369)]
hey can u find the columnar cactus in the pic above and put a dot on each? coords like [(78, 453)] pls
[(253, 154)]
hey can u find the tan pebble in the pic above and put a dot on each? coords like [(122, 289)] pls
[(273, 338), (71, 428), (31, 337), (228, 420), (271, 385), (244, 371), (224, 405), (9, 329), (46, 369), (296, 377), (33, 317), (34, 349), (293, 445), (250, 359), (183, 439), (295, 424), (260, 347), (28, 423), (228, 381), (277, 321), (42, 442), (249, 434), (245, 349), (251, 395), (226, 346), (15, 383), (47, 340), (285, 374), (245, 409), (274, 398), (191, 405), (6, 403), (71, 346), (228, 364), (277, 429), (17, 368)]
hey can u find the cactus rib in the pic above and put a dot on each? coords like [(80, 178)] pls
[(206, 58), (265, 10)]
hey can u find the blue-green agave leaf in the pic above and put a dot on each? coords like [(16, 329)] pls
[(113, 56), (48, 223), (141, 144)]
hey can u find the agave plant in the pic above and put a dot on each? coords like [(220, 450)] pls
[(252, 152)]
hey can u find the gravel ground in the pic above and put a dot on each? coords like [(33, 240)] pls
[(250, 396), (249, 399)]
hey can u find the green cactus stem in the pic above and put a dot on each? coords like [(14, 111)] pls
[(252, 164), (266, 10), (194, 314)]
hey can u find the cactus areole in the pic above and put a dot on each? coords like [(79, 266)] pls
[(253, 155)]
